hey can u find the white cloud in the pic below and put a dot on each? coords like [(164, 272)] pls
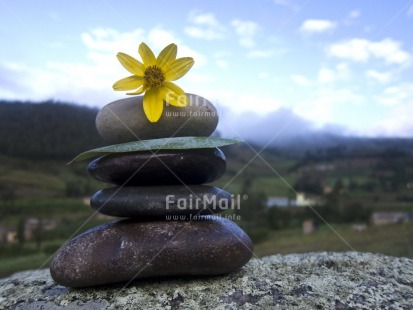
[(245, 101), (260, 53), (223, 64), (394, 127), (354, 14), (207, 19), (327, 75), (103, 39), (15, 81), (88, 82), (362, 50), (196, 80), (355, 49), (390, 51), (322, 107), (317, 26), (221, 59), (246, 31), (205, 26), (397, 122), (75, 82), (397, 95), (221, 54), (199, 33), (300, 80), (110, 41), (159, 37), (291, 4), (381, 77), (351, 18), (276, 128)]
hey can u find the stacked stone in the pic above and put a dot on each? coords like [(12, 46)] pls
[(169, 229)]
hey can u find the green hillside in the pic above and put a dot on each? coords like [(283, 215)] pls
[(46, 130)]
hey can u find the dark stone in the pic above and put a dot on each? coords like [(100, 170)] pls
[(159, 201), (126, 250), (124, 120), (163, 167)]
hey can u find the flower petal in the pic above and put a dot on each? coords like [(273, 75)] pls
[(153, 104), (147, 55), (128, 83), (138, 91), (131, 64), (174, 95), (178, 68), (167, 54)]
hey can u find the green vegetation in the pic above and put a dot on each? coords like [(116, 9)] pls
[(14, 264), (395, 240), (46, 130)]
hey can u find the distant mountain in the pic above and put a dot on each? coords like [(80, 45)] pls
[(334, 146), (287, 132), (46, 129)]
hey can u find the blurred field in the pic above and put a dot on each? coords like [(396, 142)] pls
[(394, 240), (49, 190)]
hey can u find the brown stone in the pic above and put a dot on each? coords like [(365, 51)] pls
[(163, 167), (127, 250)]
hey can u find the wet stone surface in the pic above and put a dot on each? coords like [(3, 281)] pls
[(126, 250), (159, 201), (124, 120), (195, 166)]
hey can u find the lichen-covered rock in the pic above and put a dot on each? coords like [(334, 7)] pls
[(296, 281)]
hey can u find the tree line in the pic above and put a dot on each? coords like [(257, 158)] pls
[(47, 130)]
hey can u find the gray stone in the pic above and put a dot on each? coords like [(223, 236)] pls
[(161, 167), (124, 120), (297, 281), (127, 250), (160, 201)]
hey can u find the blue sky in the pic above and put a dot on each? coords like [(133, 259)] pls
[(347, 63)]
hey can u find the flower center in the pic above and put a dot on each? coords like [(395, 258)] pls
[(153, 76)]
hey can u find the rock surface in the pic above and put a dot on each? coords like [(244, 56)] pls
[(126, 250), (159, 201), (124, 120), (195, 166), (299, 281)]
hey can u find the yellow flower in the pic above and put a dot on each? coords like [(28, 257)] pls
[(154, 77)]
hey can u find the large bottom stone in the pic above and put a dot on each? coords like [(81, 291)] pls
[(161, 201), (126, 250)]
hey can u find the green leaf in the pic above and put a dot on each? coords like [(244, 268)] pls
[(177, 143)]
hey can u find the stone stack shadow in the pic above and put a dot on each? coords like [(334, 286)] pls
[(169, 226)]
